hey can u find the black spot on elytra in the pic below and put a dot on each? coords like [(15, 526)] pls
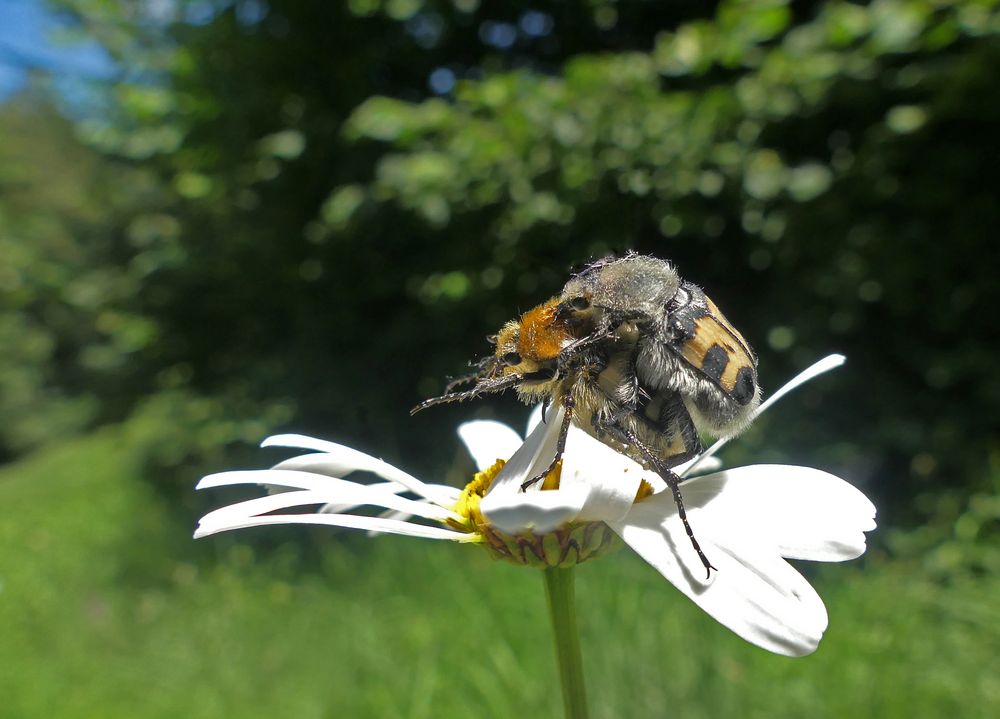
[(746, 387), (715, 362)]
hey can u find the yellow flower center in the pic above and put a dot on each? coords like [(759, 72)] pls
[(467, 505)]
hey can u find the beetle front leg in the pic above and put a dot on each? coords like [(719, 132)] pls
[(568, 404)]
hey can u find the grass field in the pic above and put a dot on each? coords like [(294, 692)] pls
[(107, 612)]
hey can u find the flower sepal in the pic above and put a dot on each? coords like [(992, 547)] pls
[(560, 548)]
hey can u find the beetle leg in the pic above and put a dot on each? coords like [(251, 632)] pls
[(673, 481), (568, 404)]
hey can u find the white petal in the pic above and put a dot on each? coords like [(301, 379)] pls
[(347, 521), (387, 514), (610, 480), (444, 492), (488, 441), (263, 505), (803, 513), (698, 466), (342, 507), (267, 477), (537, 512), (341, 461), (452, 493), (448, 492), (811, 372), (322, 463), (382, 486), (754, 593), (325, 490)]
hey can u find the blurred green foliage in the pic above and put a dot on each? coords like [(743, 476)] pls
[(73, 345), (308, 214)]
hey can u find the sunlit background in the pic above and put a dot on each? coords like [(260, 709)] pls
[(224, 219)]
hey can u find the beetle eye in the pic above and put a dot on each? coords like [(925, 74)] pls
[(510, 359), (579, 303)]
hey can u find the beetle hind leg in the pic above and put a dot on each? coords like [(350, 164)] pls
[(673, 480)]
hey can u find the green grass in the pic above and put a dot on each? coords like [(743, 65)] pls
[(105, 611)]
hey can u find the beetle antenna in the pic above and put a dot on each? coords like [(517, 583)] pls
[(488, 386)]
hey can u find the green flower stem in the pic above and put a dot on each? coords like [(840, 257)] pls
[(562, 608)]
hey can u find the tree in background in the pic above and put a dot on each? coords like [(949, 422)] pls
[(349, 196), (69, 336)]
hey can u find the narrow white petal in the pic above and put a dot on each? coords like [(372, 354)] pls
[(347, 521), (488, 441), (342, 460), (323, 463), (340, 508), (698, 465), (387, 514), (263, 505), (537, 512), (444, 492), (306, 480), (803, 513), (824, 365), (332, 491), (319, 479), (754, 593), (811, 372), (267, 477)]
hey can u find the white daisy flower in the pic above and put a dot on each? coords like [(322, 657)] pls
[(747, 519)]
